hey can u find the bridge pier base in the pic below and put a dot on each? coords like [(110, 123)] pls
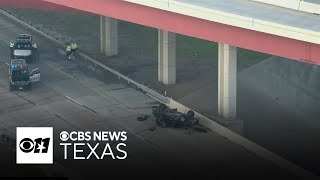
[(108, 36), (166, 57)]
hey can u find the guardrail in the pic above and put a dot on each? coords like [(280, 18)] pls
[(214, 126), (309, 7), (299, 5)]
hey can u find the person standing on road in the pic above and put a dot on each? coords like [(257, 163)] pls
[(11, 47), (35, 51), (74, 47), (68, 51)]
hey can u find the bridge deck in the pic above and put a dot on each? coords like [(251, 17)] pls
[(246, 14), (261, 11)]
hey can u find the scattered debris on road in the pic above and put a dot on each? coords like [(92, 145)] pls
[(145, 117), (166, 117), (152, 128)]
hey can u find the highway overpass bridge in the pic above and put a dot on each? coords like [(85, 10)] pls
[(289, 28)]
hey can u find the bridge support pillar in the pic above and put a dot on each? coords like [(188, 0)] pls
[(166, 57), (227, 81), (108, 36)]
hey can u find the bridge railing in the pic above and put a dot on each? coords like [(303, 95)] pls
[(299, 5), (309, 6)]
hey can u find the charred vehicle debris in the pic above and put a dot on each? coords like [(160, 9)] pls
[(167, 117)]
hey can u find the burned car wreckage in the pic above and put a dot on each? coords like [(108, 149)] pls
[(167, 117)]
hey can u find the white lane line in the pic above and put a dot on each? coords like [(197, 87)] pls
[(80, 104), (7, 128), (74, 100)]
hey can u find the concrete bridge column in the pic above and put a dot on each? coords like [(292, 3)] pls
[(227, 81), (108, 36), (166, 57)]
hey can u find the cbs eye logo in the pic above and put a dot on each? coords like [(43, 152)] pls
[(34, 145), (38, 145)]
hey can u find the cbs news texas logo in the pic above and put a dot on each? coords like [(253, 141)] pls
[(34, 145)]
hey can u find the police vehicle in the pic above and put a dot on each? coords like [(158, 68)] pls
[(24, 48), (19, 76)]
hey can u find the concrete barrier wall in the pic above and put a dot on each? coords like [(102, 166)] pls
[(298, 5), (291, 4), (309, 7)]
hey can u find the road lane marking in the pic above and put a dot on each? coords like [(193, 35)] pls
[(155, 147), (73, 100), (94, 89), (7, 128), (80, 104), (35, 104)]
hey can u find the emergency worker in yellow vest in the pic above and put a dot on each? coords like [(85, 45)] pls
[(74, 47)]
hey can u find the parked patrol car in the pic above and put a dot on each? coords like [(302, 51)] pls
[(24, 48), (19, 76)]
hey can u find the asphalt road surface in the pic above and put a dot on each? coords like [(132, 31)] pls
[(72, 98)]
